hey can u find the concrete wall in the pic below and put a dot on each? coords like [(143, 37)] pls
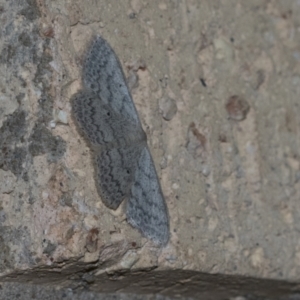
[(216, 85)]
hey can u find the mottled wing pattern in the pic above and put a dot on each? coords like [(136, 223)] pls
[(115, 169), (146, 208), (104, 76), (100, 123)]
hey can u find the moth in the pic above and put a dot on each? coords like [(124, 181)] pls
[(124, 170)]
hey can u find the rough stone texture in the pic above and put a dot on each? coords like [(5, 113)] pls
[(230, 175), (28, 292)]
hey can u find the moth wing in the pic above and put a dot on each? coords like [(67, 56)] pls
[(146, 208), (100, 123), (115, 169), (103, 75)]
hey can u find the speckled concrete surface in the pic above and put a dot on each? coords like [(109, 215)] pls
[(216, 84), (12, 291)]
